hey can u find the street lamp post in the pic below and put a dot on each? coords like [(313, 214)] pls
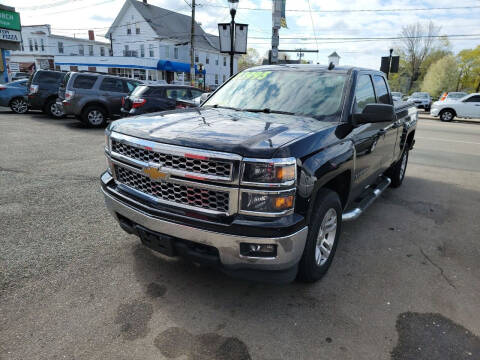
[(233, 4)]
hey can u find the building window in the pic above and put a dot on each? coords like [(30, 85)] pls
[(175, 53), (90, 50), (207, 60), (216, 79), (224, 61), (196, 58), (129, 30), (142, 50), (60, 47), (42, 44), (167, 51), (36, 44), (137, 30), (150, 50), (102, 51), (57, 67), (216, 61), (81, 50), (224, 78), (30, 44)]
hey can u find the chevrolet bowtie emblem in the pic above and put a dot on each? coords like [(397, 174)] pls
[(155, 173)]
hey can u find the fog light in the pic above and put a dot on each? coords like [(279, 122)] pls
[(258, 250)]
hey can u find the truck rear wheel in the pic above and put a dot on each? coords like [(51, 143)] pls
[(51, 109), (397, 172), (323, 235)]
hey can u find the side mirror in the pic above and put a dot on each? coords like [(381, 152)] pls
[(373, 113), (204, 97)]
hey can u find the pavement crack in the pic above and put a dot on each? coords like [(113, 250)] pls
[(442, 272)]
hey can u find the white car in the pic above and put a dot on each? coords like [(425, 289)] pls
[(466, 107), (397, 96)]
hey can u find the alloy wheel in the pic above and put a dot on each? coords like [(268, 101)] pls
[(19, 106), (55, 110), (326, 237), (95, 117)]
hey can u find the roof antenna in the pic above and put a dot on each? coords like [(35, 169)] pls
[(331, 66)]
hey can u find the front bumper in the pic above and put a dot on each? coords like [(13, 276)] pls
[(289, 247), (434, 111)]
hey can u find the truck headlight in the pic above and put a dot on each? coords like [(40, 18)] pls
[(267, 203), (272, 172)]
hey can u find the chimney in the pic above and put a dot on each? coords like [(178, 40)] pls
[(91, 35)]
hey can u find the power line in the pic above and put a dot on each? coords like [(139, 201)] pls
[(313, 25), (359, 10)]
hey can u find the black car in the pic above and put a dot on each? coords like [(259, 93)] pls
[(152, 98), (43, 92)]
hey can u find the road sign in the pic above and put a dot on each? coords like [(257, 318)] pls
[(10, 35), (9, 20)]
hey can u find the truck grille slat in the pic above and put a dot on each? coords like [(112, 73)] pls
[(199, 166), (175, 193)]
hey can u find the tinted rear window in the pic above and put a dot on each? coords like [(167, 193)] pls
[(112, 84), (84, 82), (48, 77)]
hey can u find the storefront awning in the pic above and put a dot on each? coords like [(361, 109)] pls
[(175, 66)]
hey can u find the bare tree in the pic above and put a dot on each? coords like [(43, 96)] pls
[(417, 43)]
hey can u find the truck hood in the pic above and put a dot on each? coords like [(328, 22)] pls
[(240, 132)]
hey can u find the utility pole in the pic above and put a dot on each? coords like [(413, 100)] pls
[(192, 50), (276, 13), (389, 62), (111, 45)]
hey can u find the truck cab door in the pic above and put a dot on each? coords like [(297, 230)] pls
[(374, 142), (390, 131)]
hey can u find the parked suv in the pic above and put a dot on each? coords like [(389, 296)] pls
[(43, 89), (151, 98), (93, 97), (421, 100)]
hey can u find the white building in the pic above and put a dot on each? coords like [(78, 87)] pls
[(152, 43), (334, 58), (40, 48)]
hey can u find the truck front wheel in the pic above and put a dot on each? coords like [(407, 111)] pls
[(397, 172), (323, 235)]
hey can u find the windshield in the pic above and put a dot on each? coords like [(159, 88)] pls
[(419, 95), (309, 93)]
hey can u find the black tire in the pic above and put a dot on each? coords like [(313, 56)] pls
[(51, 109), (315, 263), (397, 172), (94, 116), (19, 105), (447, 115), (427, 109)]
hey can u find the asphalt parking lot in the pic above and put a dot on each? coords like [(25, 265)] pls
[(405, 283)]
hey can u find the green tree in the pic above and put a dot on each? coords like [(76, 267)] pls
[(251, 58), (469, 77), (441, 76)]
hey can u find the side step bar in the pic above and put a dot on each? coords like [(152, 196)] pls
[(367, 201)]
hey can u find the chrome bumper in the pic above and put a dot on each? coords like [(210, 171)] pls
[(289, 248)]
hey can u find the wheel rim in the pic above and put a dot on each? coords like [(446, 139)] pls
[(19, 106), (403, 165), (95, 117), (447, 115), (326, 237), (55, 110)]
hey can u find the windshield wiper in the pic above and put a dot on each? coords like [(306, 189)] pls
[(216, 106), (269, 111)]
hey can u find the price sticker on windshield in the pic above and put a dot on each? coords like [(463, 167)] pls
[(253, 75)]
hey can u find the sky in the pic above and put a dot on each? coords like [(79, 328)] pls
[(330, 26)]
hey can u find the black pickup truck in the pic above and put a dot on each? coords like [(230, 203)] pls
[(258, 180)]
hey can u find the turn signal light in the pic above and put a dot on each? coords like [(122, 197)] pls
[(284, 202), (136, 103)]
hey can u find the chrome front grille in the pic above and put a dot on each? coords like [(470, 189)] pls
[(189, 163), (180, 194)]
